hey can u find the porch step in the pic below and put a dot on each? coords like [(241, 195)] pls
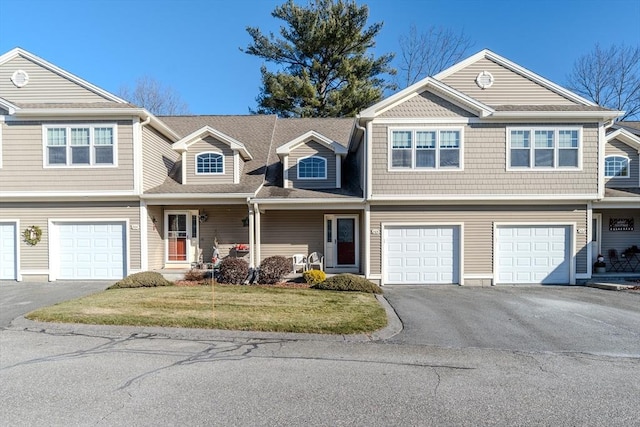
[(173, 274)]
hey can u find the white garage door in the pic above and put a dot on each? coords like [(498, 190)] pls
[(533, 254), (7, 251), (422, 255), (92, 251)]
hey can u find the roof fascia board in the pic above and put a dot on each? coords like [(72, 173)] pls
[(452, 95), (11, 108), (46, 64), (334, 146), (626, 137), (184, 143)]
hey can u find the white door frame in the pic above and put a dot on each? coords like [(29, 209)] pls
[(16, 246), (191, 241), (331, 247), (597, 248)]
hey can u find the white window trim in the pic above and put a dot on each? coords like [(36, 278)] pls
[(195, 164), (413, 130), (1, 126), (324, 162), (532, 167), (627, 176), (68, 126)]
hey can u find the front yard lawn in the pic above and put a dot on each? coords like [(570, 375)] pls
[(253, 308)]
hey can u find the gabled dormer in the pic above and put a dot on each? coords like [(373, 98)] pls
[(622, 159), (211, 157), (312, 161)]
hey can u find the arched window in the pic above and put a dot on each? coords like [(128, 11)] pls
[(209, 163), (312, 168), (616, 167)]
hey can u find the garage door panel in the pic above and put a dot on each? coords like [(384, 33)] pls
[(421, 254), (93, 251), (8, 250), (533, 254)]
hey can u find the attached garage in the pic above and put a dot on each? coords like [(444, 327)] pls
[(536, 254), (8, 251), (91, 251), (421, 254)]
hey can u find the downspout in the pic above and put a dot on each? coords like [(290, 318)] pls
[(367, 213)]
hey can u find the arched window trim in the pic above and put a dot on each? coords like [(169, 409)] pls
[(618, 156), (324, 168), (220, 155)]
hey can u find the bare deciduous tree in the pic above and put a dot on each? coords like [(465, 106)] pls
[(610, 78), (429, 52), (155, 97)]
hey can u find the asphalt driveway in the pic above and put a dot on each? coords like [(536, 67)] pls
[(521, 318)]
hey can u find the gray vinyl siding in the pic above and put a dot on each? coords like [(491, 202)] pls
[(618, 148), (158, 158), (23, 153), (506, 84), (307, 150), (210, 144), (44, 86), (37, 257), (485, 164), (426, 104), (478, 223), (618, 240)]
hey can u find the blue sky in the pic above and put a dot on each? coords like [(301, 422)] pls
[(194, 45)]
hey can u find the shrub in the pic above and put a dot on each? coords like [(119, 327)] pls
[(314, 277), (145, 279), (273, 269), (194, 275), (348, 282), (233, 270)]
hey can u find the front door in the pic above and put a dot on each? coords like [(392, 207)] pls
[(182, 232), (596, 231), (341, 242)]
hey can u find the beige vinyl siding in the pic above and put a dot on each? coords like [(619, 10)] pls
[(618, 148), (478, 223), (36, 257), (485, 167), (158, 157), (506, 84), (155, 235), (210, 144), (618, 240), (225, 223), (307, 150), (426, 104), (44, 86), (23, 153)]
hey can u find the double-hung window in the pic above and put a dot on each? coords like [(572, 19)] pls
[(422, 149), (80, 145), (544, 148), (209, 164), (616, 167)]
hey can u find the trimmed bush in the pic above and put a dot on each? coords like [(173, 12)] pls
[(273, 269), (313, 277), (145, 279), (194, 275), (233, 271), (348, 282)]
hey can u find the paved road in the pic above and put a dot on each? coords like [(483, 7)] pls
[(87, 375)]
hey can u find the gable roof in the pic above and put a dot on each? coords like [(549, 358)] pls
[(311, 135), (625, 137), (198, 135), (12, 54), (582, 108)]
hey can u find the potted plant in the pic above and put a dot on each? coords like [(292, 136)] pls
[(599, 266)]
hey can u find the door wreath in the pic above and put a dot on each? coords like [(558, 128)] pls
[(32, 235)]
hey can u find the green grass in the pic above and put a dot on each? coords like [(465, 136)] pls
[(225, 307)]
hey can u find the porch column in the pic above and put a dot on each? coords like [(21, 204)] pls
[(258, 241), (252, 260)]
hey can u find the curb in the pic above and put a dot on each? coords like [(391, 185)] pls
[(609, 286)]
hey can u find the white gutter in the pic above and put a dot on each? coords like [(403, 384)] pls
[(555, 114)]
